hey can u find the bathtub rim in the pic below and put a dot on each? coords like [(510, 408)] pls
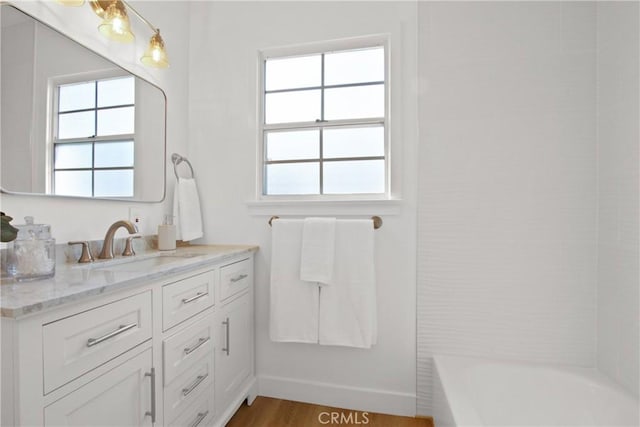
[(463, 411)]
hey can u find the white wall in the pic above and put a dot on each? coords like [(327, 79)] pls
[(16, 103), (507, 192), (224, 44), (79, 219), (618, 177)]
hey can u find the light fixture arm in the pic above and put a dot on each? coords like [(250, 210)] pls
[(140, 17)]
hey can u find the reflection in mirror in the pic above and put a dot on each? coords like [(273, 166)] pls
[(73, 123)]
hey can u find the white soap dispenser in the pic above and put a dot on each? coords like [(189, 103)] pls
[(167, 234)]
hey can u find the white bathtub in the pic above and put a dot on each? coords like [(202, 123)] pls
[(477, 392)]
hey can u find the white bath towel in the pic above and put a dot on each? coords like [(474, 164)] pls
[(318, 249), (293, 315), (348, 308), (186, 210)]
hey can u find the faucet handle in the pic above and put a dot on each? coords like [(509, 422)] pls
[(128, 247), (86, 251)]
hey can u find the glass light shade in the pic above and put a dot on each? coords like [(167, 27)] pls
[(155, 55), (115, 24)]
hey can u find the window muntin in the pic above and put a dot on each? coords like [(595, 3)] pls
[(94, 134), (324, 123)]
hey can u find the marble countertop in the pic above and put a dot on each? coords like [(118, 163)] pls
[(74, 282)]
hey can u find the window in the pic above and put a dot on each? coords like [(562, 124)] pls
[(324, 122), (94, 133)]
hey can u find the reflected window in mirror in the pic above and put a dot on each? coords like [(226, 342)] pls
[(93, 122), (126, 158)]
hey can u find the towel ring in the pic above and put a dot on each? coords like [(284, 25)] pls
[(176, 159)]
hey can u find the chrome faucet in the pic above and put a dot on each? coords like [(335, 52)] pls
[(107, 245)]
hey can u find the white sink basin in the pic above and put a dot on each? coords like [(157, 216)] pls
[(141, 263)]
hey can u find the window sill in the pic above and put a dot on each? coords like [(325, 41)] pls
[(324, 207)]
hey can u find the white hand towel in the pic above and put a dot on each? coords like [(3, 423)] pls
[(293, 315), (348, 308), (318, 249), (186, 210)]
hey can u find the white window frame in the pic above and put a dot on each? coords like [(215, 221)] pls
[(380, 40), (52, 122)]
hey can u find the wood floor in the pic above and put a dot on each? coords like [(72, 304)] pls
[(268, 412)]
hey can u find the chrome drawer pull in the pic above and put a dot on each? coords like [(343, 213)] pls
[(201, 416), (238, 278), (226, 323), (152, 413), (196, 383), (193, 298), (122, 328), (201, 341)]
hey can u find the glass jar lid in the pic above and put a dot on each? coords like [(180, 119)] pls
[(31, 231)]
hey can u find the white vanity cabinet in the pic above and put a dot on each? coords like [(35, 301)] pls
[(234, 357), (127, 387), (172, 349)]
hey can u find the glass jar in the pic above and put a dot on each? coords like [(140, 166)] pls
[(33, 255)]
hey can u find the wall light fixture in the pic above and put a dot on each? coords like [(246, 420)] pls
[(116, 26)]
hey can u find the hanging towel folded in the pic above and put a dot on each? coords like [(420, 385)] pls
[(293, 315), (318, 249), (348, 308), (186, 210)]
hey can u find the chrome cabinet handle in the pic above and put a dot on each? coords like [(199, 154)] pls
[(226, 349), (193, 298), (152, 374), (201, 341), (123, 328), (238, 278), (201, 416), (196, 383)]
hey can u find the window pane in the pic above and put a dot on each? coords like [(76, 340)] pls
[(76, 125), (114, 154), (293, 145), (73, 183), (356, 66), (114, 183), (353, 142), (116, 121), (354, 177), (293, 178), (302, 106), (72, 156), (120, 91), (77, 96), (293, 73), (354, 102)]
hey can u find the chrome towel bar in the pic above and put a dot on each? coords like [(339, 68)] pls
[(377, 221)]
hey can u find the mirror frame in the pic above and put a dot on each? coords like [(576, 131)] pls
[(164, 142)]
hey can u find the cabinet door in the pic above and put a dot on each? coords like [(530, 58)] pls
[(120, 397), (233, 359)]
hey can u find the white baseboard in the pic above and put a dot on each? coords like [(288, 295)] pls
[(360, 399)]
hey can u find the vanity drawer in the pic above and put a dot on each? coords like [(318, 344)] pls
[(235, 278), (185, 389), (75, 345), (183, 299), (200, 413), (183, 349)]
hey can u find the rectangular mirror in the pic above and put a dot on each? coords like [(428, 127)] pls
[(73, 123)]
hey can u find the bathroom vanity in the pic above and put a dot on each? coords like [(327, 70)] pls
[(165, 339)]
